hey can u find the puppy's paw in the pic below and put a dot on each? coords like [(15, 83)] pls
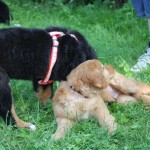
[(32, 127), (56, 136), (112, 127)]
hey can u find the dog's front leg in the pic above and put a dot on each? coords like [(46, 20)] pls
[(44, 93), (64, 125), (19, 122), (104, 117)]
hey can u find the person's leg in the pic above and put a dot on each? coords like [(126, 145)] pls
[(147, 12), (143, 61), (149, 27), (139, 7), (142, 8)]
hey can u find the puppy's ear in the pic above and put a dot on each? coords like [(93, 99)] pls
[(74, 79), (95, 78), (109, 72), (110, 69), (78, 84), (93, 74), (89, 72)]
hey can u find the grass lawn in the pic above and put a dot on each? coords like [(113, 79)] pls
[(119, 38)]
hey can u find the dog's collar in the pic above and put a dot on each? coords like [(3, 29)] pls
[(53, 57)]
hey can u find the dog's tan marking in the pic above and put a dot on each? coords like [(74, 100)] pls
[(19, 122), (44, 94)]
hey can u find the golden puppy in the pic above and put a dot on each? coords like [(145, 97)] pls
[(119, 88), (70, 104), (129, 90), (83, 93)]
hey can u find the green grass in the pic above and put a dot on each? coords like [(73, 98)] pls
[(119, 39)]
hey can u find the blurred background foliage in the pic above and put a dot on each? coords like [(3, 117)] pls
[(75, 3)]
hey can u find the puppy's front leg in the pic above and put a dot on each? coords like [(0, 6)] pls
[(104, 117), (64, 125)]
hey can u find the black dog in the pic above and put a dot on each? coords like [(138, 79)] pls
[(25, 54), (5, 96), (5, 15)]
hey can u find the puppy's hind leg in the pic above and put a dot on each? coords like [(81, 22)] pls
[(104, 117), (125, 99), (7, 111), (143, 94), (5, 98), (6, 115), (5, 107), (19, 122), (145, 98), (64, 125)]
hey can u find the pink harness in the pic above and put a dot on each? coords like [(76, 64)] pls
[(53, 57)]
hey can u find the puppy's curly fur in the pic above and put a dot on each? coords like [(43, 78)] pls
[(78, 98), (87, 87), (122, 89), (117, 87), (24, 54)]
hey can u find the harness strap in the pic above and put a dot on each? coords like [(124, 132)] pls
[(53, 57)]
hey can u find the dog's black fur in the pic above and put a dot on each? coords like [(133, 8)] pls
[(5, 96), (24, 54), (5, 15)]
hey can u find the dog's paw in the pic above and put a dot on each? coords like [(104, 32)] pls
[(112, 128), (111, 125), (32, 127), (56, 136)]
